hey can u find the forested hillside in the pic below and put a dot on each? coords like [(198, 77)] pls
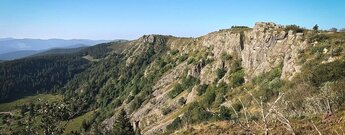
[(47, 72)]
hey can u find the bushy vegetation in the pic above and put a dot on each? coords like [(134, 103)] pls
[(321, 73), (239, 27), (176, 124), (237, 78), (268, 84), (295, 28), (201, 89), (122, 125), (225, 113), (220, 73), (186, 83)]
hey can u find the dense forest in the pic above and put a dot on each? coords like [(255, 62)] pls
[(46, 73)]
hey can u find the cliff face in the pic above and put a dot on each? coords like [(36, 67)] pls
[(262, 48), (258, 50)]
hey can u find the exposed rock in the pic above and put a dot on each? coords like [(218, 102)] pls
[(192, 95), (196, 70), (260, 49)]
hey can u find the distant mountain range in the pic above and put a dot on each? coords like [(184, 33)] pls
[(11, 48)]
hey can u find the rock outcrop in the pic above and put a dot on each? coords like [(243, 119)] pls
[(264, 47), (259, 50)]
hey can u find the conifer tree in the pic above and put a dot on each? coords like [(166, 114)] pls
[(122, 125)]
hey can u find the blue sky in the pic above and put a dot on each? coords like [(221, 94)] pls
[(129, 19)]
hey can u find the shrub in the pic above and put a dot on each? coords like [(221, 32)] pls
[(166, 111), (237, 107), (196, 114), (218, 100), (175, 91), (237, 78), (239, 27), (129, 99), (135, 104), (294, 27), (182, 101), (173, 52), (275, 84), (186, 83), (176, 124), (183, 57), (336, 51), (319, 74), (225, 56), (265, 93), (190, 61), (208, 98), (268, 76), (225, 113), (318, 37), (201, 89), (189, 81), (220, 73)]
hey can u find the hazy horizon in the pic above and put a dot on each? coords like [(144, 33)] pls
[(130, 19)]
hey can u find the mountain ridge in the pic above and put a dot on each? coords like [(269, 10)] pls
[(223, 81)]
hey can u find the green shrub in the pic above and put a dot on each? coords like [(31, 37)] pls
[(220, 73), (189, 81), (218, 100), (318, 37), (196, 114), (225, 113), (175, 91), (186, 83), (319, 74), (265, 93), (176, 124), (135, 104), (182, 101), (237, 78), (129, 99), (275, 84), (238, 107), (166, 110), (295, 28), (173, 52), (208, 98), (183, 57), (190, 61), (225, 56), (201, 89), (239, 27)]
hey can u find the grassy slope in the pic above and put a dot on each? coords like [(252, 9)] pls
[(6, 107), (76, 123)]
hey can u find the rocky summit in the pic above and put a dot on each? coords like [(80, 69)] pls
[(268, 79)]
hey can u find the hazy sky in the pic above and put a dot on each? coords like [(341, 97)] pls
[(129, 19)]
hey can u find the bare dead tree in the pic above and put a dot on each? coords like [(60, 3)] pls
[(318, 131), (282, 119), (266, 111), (272, 109), (244, 125)]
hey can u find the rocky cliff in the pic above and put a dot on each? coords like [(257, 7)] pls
[(258, 50)]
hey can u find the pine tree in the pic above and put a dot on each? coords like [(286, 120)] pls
[(316, 27), (122, 125)]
